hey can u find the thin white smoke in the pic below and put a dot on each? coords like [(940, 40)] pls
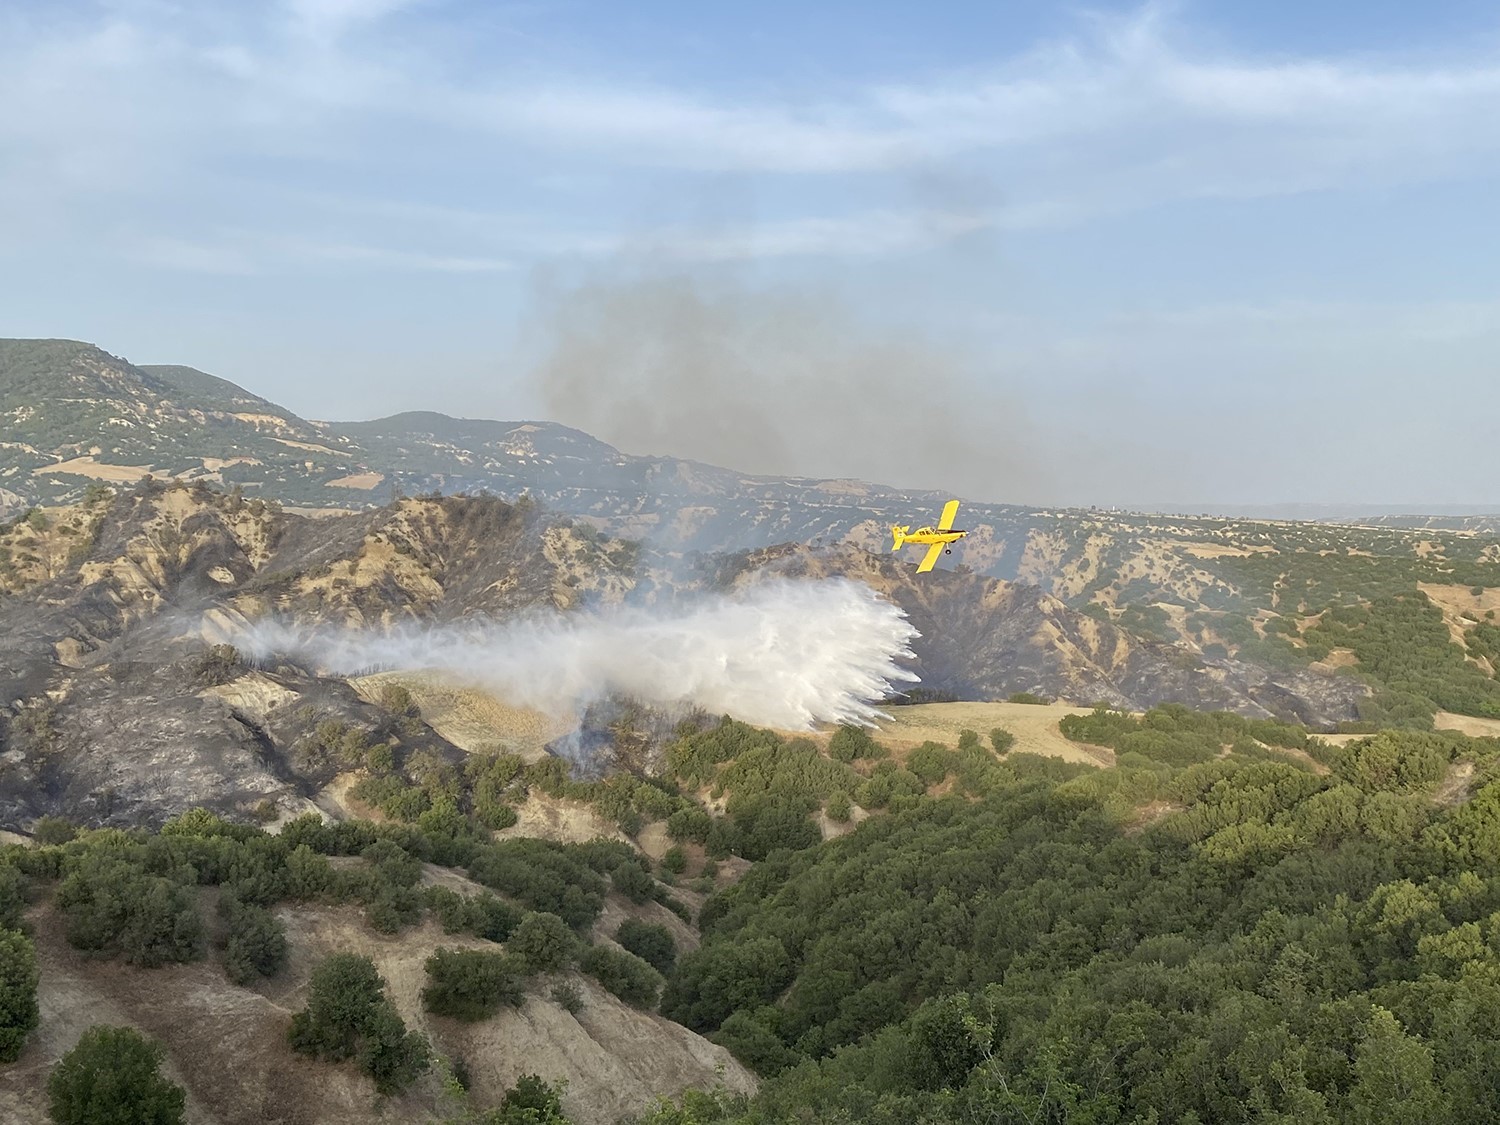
[(783, 654)]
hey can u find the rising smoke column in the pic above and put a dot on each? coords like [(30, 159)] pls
[(783, 654)]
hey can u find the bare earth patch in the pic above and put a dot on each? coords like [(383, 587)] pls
[(311, 448), (318, 513), (1471, 725), (1342, 739), (88, 467), (556, 818), (1339, 658), (254, 693), (1223, 550), (1149, 813), (1454, 789), (469, 718), (358, 480), (1034, 726)]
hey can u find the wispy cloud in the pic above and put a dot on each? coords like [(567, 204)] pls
[(867, 234), (328, 19), (243, 254), (143, 98)]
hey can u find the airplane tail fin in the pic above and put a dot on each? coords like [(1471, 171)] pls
[(898, 536)]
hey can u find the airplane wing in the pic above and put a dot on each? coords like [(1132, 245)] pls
[(930, 559), (950, 509)]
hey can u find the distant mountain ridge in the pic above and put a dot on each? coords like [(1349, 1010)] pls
[(72, 415)]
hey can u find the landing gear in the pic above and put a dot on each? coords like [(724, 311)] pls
[(947, 550)]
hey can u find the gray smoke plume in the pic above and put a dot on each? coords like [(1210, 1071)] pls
[(783, 654), (778, 382)]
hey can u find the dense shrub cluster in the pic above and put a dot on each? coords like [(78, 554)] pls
[(1280, 945), (19, 1013), (254, 942), (470, 985), (624, 974), (113, 1074), (650, 942), (348, 1016), (1172, 735), (111, 905), (543, 876), (544, 943), (1403, 642)]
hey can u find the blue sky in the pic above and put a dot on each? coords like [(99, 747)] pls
[(1218, 253)]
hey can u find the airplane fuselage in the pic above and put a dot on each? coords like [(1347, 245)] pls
[(930, 535), (935, 539)]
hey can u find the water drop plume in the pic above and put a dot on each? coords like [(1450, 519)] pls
[(783, 654)]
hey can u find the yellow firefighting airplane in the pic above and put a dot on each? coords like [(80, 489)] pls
[(935, 538)]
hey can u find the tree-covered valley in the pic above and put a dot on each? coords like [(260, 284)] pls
[(1235, 922)]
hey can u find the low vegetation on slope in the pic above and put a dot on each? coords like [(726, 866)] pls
[(145, 899), (1410, 611), (1237, 922), (1273, 943)]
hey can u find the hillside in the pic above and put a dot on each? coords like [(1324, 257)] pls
[(979, 827), (837, 915), (75, 416), (72, 414), (985, 639), (109, 604), (106, 660), (106, 632), (615, 1058)]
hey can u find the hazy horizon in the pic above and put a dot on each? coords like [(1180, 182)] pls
[(1252, 509), (1086, 256)]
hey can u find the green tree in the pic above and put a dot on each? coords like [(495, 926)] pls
[(543, 942), (381, 758), (839, 807), (633, 881), (850, 743), (765, 824), (531, 1101), (932, 762), (112, 1077), (948, 1038), (468, 984), (18, 980), (307, 873), (1394, 1074), (689, 825), (397, 700), (624, 974), (50, 830), (110, 905), (650, 942), (255, 940), (12, 898), (344, 992), (349, 1016), (695, 1107), (391, 1055)]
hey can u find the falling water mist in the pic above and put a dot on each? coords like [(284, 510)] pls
[(782, 654)]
